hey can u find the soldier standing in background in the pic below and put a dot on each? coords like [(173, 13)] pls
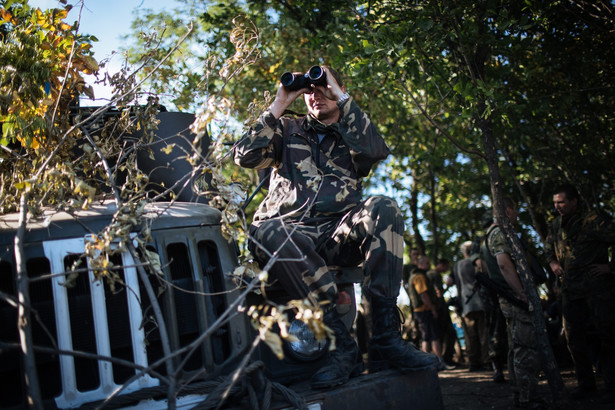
[(577, 248), (523, 355), (448, 335), (472, 309)]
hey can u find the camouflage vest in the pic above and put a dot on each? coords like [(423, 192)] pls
[(493, 268)]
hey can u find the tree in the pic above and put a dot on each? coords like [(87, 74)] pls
[(456, 88), (405, 53)]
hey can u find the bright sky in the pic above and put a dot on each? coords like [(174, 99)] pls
[(108, 20)]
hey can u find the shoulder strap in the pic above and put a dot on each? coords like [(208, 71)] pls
[(489, 231)]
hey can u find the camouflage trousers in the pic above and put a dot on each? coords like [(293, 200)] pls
[(523, 356), (371, 233), (496, 328)]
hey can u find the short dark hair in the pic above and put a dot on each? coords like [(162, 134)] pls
[(567, 189), (509, 202), (443, 261)]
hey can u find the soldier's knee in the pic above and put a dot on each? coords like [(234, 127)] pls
[(270, 235), (385, 207)]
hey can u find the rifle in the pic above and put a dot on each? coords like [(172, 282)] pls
[(484, 280)]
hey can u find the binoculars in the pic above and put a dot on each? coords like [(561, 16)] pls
[(315, 75)]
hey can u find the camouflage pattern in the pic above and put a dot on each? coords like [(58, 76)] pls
[(312, 179), (496, 244), (577, 242), (313, 215), (371, 233), (523, 355)]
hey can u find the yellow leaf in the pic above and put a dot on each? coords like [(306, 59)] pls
[(61, 14), (168, 149), (6, 15), (273, 341), (40, 18)]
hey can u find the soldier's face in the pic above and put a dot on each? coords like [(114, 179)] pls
[(512, 214), (321, 107), (564, 205), (414, 255)]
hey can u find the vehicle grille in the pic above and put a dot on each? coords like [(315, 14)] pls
[(91, 317)]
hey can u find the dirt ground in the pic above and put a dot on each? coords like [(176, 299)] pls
[(463, 390)]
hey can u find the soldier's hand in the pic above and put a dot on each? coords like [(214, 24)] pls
[(556, 268), (283, 98), (332, 90), (598, 270)]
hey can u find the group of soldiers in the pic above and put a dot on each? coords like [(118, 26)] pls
[(492, 300)]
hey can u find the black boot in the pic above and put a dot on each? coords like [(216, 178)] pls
[(498, 373), (387, 348), (344, 362)]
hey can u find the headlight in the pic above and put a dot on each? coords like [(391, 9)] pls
[(306, 348)]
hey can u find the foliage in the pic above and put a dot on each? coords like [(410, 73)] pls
[(428, 71), (44, 63)]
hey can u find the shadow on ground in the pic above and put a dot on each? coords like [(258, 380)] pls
[(464, 390)]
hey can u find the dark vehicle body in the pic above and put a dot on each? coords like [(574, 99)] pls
[(97, 321)]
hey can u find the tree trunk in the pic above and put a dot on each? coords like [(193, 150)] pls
[(550, 366), (538, 221), (419, 242), (433, 216)]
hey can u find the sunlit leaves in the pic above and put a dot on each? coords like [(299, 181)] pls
[(537, 71), (44, 60)]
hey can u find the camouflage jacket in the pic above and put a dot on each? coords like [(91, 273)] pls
[(577, 242), (311, 179), (495, 244)]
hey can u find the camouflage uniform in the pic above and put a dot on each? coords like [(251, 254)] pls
[(314, 214), (577, 242), (523, 356)]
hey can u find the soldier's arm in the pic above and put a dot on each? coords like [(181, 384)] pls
[(366, 145), (509, 272), (261, 146), (430, 305), (549, 248), (604, 231)]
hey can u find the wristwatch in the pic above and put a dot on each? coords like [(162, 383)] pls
[(345, 97)]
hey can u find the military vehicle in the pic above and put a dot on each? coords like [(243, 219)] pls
[(94, 341)]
